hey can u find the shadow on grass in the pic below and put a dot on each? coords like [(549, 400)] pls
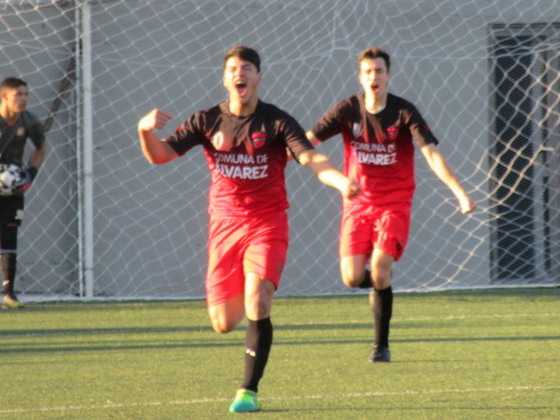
[(181, 339), (57, 332)]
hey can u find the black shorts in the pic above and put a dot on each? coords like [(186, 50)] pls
[(11, 210)]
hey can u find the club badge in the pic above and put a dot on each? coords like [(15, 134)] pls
[(259, 139), (392, 133)]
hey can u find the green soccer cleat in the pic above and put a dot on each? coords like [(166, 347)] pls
[(245, 402), (9, 301)]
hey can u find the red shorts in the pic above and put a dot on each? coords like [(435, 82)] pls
[(382, 228), (242, 245)]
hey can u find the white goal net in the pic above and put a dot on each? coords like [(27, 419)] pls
[(101, 222)]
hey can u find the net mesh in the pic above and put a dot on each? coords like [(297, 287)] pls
[(101, 222)]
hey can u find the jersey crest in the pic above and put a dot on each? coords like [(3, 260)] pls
[(393, 133), (259, 139)]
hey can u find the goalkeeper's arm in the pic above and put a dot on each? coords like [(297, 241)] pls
[(35, 162), (38, 156)]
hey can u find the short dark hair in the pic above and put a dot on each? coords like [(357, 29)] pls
[(12, 83), (245, 54), (374, 52)]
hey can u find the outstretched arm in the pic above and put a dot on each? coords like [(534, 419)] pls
[(324, 170), (155, 150), (311, 137), (439, 166)]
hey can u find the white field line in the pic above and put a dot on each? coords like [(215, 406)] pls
[(111, 404)]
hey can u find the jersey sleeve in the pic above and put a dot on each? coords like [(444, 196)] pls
[(36, 131), (419, 129), (294, 136), (187, 135), (332, 123)]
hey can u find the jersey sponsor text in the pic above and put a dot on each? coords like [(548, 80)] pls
[(375, 154), (242, 172), (382, 159)]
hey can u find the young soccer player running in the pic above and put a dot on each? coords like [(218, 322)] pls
[(244, 141), (377, 130), (17, 125)]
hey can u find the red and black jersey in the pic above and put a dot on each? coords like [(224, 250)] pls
[(246, 156), (378, 148), (13, 137)]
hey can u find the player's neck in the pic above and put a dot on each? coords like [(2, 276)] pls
[(375, 104), (9, 116), (242, 109)]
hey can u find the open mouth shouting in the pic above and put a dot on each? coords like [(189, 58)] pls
[(241, 88)]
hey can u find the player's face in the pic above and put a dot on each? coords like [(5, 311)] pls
[(241, 79), (15, 99), (374, 77)]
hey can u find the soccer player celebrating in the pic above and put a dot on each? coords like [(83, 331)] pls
[(377, 129), (16, 126), (244, 141)]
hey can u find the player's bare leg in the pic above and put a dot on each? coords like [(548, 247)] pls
[(227, 315), (259, 293), (353, 271), (354, 274), (381, 299), (381, 266)]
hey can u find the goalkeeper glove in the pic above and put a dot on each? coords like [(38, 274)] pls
[(29, 175)]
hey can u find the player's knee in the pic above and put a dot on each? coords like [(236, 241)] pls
[(381, 281), (353, 280), (258, 299), (353, 272), (224, 322), (258, 309), (223, 326), (221, 329)]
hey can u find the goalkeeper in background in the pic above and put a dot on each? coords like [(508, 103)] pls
[(16, 126), (377, 130), (244, 141)]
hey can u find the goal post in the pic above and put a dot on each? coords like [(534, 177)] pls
[(103, 223)]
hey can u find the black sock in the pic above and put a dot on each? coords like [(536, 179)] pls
[(258, 341), (366, 282), (8, 261), (382, 312)]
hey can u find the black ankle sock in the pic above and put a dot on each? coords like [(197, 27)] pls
[(366, 282), (258, 341), (382, 312)]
